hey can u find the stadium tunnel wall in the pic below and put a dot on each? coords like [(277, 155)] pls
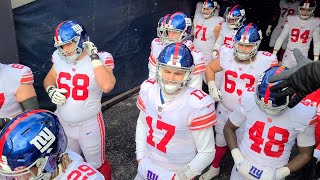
[(125, 28)]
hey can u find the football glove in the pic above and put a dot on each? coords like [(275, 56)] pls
[(214, 92), (185, 173), (57, 95), (298, 81), (268, 31), (281, 173), (93, 53)]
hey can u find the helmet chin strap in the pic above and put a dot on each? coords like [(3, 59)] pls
[(165, 97)]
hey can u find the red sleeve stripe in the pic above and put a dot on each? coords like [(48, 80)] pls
[(109, 62), (27, 75), (204, 123), (199, 68), (140, 104), (26, 80), (152, 60)]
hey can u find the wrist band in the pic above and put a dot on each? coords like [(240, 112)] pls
[(96, 63)]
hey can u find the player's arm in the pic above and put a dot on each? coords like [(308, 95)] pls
[(196, 81), (50, 79), (27, 97), (274, 18), (213, 67), (281, 38), (216, 31), (141, 136), (219, 42), (56, 95), (229, 132), (316, 43), (305, 143), (104, 77)]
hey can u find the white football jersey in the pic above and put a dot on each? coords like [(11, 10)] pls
[(78, 169), (227, 35), (203, 31), (170, 144), (84, 94), (11, 77), (301, 31), (157, 46), (267, 139), (287, 9), (238, 77)]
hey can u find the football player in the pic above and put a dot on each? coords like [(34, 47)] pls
[(76, 81), (241, 66), (206, 28), (17, 93), (34, 147), (176, 28), (174, 134), (287, 7), (270, 131), (301, 29)]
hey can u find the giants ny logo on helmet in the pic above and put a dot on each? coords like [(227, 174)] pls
[(77, 28), (43, 140)]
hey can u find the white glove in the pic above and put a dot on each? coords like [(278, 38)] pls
[(316, 58), (316, 154), (268, 31), (185, 173), (275, 51), (57, 95), (214, 92), (281, 173), (90, 48), (215, 54)]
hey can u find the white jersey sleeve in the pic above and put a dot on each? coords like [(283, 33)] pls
[(106, 59), (78, 169), (12, 76), (156, 47)]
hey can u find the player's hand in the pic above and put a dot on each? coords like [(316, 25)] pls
[(57, 95), (185, 173), (90, 48), (215, 54), (242, 165), (214, 92), (268, 31), (295, 81), (281, 173)]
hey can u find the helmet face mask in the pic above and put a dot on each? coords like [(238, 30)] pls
[(235, 17), (171, 79), (177, 23), (306, 9), (208, 8), (67, 32), (174, 68), (161, 26), (266, 99), (247, 40)]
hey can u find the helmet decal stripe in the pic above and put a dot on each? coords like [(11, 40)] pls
[(176, 53), (246, 31), (165, 19), (174, 14), (267, 95), (231, 11), (57, 31), (12, 126)]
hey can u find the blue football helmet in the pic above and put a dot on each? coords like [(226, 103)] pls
[(180, 25), (211, 6), (33, 139), (161, 24), (266, 99), (306, 8), (175, 56), (247, 35), (236, 15), (67, 32)]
